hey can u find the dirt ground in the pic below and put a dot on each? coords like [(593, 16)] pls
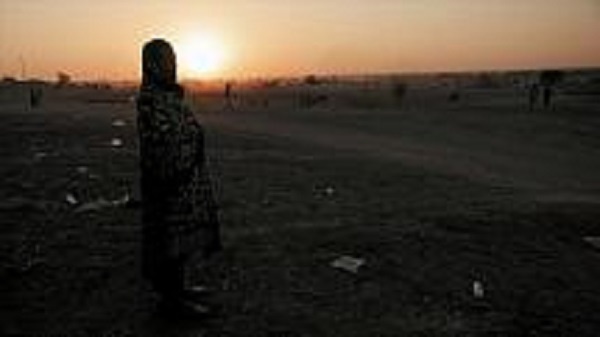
[(469, 215)]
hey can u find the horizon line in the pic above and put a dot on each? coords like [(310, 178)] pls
[(187, 79)]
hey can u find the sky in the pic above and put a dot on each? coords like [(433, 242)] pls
[(102, 40)]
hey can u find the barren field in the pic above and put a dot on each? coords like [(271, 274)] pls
[(469, 215)]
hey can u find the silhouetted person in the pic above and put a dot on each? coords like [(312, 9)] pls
[(399, 91), (35, 97), (454, 96), (179, 212), (547, 96), (228, 94), (534, 94), (548, 80)]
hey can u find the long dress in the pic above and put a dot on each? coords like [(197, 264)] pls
[(179, 212)]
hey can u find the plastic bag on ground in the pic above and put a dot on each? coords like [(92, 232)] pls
[(348, 263)]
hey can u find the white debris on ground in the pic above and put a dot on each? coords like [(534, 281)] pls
[(329, 191), (101, 203), (478, 291), (348, 263), (124, 200), (70, 199), (594, 241), (94, 176), (82, 169), (93, 206), (118, 123), (116, 142)]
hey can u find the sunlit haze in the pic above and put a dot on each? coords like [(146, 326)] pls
[(102, 40), (200, 55)]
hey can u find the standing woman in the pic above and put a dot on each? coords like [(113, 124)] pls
[(179, 213)]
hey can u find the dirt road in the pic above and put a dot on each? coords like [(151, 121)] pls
[(553, 171)]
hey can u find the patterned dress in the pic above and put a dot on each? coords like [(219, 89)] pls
[(179, 212)]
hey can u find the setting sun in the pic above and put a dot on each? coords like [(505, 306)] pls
[(200, 56)]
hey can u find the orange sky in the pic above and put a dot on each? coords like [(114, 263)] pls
[(102, 39)]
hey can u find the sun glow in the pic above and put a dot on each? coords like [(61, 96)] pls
[(200, 56)]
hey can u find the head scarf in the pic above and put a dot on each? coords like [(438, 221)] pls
[(159, 65)]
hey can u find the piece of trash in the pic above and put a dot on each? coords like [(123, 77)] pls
[(124, 200), (93, 206), (82, 169), (594, 241), (329, 191), (130, 202), (116, 142), (40, 155), (101, 203), (348, 263), (118, 123), (478, 291), (70, 199)]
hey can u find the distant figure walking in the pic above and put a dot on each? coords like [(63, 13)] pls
[(179, 212), (547, 96), (548, 80), (228, 95), (399, 91), (35, 97), (534, 94)]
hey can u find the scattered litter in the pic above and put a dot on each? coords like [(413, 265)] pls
[(478, 291), (82, 169), (593, 240), (118, 123), (70, 199), (116, 142), (348, 263)]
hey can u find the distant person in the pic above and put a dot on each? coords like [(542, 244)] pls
[(228, 94), (548, 80), (547, 93), (454, 96), (179, 212), (399, 91), (35, 97), (534, 94)]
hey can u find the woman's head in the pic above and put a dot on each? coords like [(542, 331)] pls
[(159, 65)]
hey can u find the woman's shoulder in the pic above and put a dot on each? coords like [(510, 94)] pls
[(165, 99), (173, 91)]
